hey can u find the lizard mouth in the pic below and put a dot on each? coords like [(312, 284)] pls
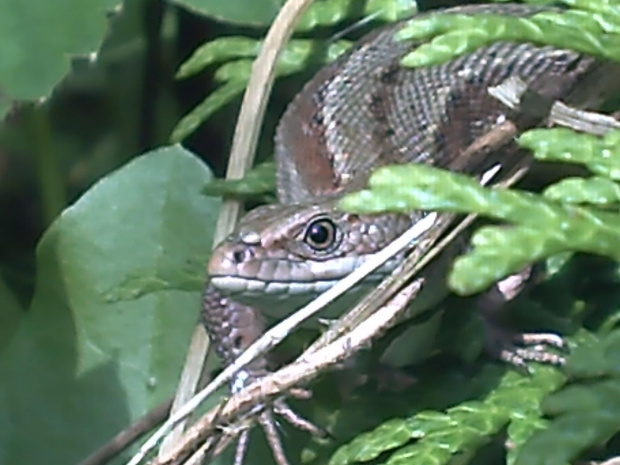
[(281, 278), (278, 299), (234, 286)]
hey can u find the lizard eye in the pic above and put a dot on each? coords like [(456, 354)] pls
[(320, 234)]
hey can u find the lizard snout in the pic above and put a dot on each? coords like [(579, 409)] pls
[(226, 259)]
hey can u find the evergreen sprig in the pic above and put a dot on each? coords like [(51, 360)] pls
[(541, 227), (447, 36), (435, 437)]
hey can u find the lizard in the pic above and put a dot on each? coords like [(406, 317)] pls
[(360, 112)]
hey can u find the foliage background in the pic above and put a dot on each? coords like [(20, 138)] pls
[(104, 232)]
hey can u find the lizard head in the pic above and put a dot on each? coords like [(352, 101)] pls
[(284, 253)]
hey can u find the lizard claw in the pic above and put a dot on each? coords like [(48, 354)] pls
[(519, 348)]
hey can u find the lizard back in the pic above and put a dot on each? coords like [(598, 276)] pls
[(367, 110)]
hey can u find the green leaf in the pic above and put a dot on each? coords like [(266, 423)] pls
[(88, 359), (491, 264), (236, 74), (596, 191), (37, 40), (596, 357), (217, 50), (332, 12), (293, 58), (607, 9)]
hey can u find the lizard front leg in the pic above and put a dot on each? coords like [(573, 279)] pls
[(232, 327)]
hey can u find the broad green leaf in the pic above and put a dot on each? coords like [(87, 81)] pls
[(38, 39), (117, 296)]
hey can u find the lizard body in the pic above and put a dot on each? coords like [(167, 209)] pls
[(363, 111)]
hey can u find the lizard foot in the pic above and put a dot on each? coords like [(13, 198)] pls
[(519, 348), (511, 347), (265, 416)]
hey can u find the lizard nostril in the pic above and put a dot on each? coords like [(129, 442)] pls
[(238, 342), (241, 254)]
